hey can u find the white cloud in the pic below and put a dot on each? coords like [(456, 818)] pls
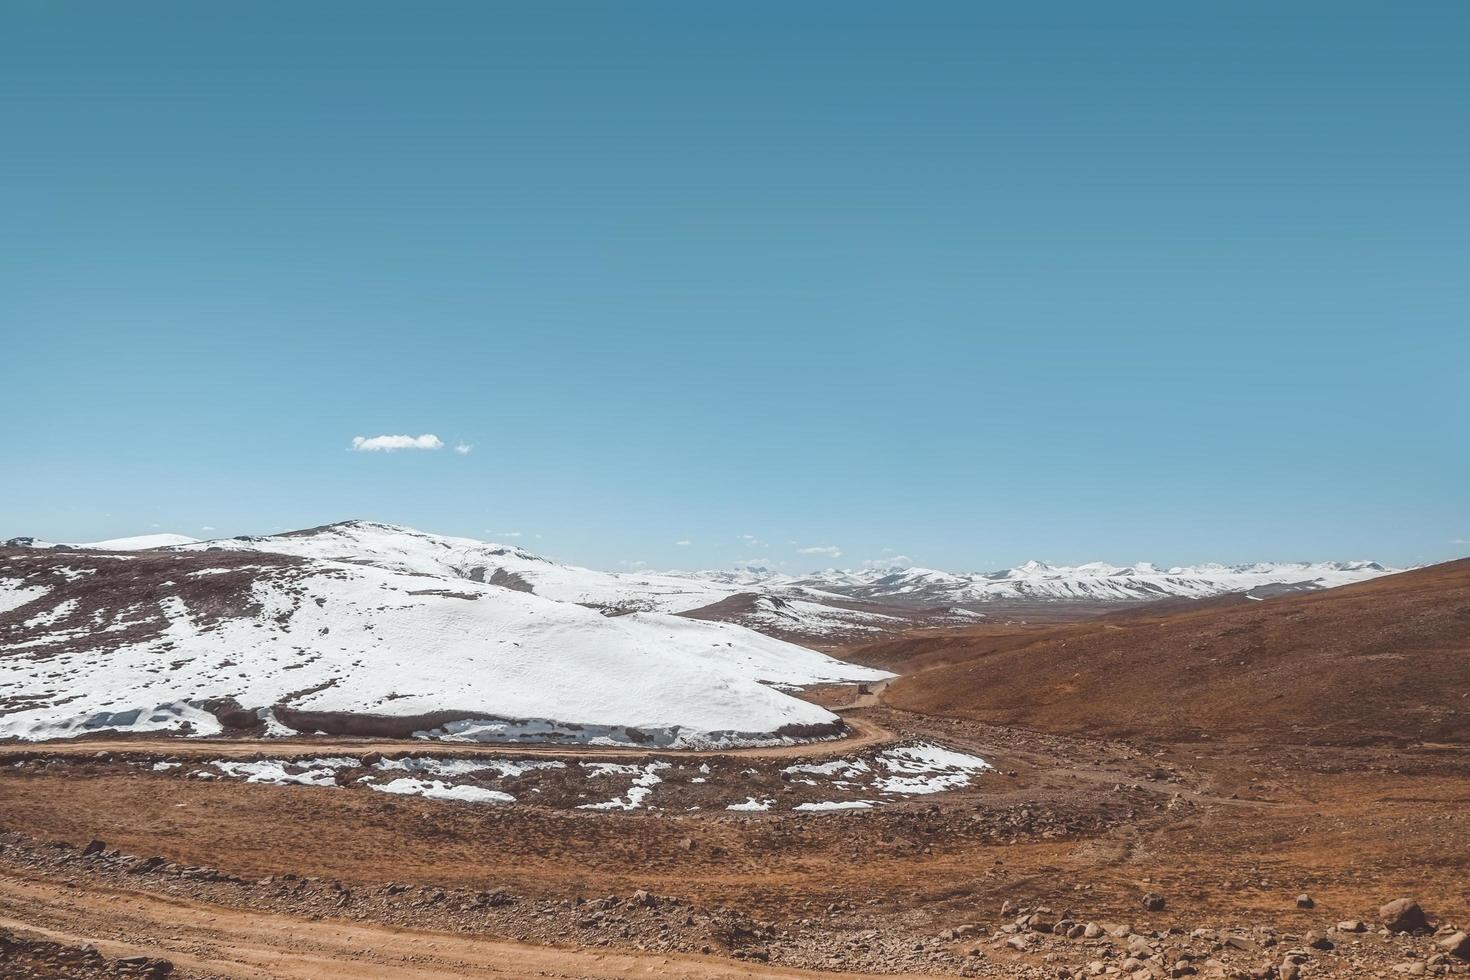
[(830, 550), (902, 561), (463, 448), (206, 528), (505, 534), (635, 565), (683, 542), (388, 444), (1460, 541)]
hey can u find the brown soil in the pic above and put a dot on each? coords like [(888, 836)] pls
[(1084, 827), (1381, 661)]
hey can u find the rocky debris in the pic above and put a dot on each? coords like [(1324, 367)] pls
[(22, 958), (1403, 915)]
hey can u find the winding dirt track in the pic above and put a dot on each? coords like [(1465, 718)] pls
[(252, 945), (865, 733)]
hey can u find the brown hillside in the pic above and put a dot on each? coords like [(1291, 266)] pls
[(1386, 660)]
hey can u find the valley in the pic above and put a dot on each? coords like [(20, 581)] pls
[(220, 763)]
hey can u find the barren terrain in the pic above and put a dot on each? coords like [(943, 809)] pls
[(1133, 823)]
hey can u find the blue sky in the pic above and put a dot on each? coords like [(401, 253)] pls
[(971, 283)]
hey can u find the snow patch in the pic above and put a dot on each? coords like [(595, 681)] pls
[(436, 790), (840, 805), (924, 768), (645, 778), (14, 593)]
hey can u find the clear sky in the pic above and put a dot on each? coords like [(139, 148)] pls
[(970, 282)]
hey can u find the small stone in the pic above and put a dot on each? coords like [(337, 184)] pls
[(1304, 901), (1352, 925), (1154, 902), (93, 847)]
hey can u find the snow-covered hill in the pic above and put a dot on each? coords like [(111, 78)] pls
[(168, 639), (407, 550), (404, 549), (138, 542)]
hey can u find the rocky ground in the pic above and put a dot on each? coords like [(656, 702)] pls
[(1075, 857), (24, 958)]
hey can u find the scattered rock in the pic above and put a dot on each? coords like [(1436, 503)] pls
[(1154, 902)]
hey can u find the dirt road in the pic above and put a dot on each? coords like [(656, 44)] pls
[(250, 945), (864, 733)]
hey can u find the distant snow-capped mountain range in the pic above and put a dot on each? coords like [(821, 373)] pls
[(824, 603), (1097, 581)]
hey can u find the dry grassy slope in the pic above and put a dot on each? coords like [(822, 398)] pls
[(1386, 660)]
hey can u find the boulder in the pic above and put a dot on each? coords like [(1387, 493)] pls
[(1304, 901), (1153, 902), (1403, 915), (1457, 944)]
